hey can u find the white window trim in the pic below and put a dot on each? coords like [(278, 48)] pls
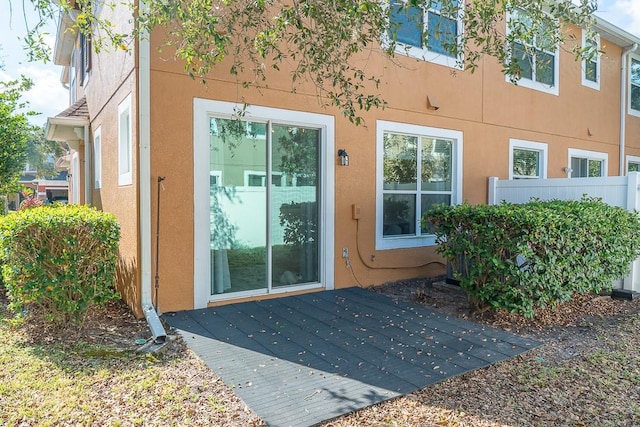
[(532, 84), (424, 54), (125, 172), (540, 147), (585, 82), (97, 158), (203, 109), (384, 243), (630, 159), (589, 155), (630, 110)]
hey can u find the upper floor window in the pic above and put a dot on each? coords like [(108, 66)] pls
[(591, 66), (418, 167), (634, 86), (527, 159), (85, 58), (431, 34), (587, 164), (125, 155), (536, 55)]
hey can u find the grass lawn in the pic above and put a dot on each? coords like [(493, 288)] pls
[(586, 374), (108, 384)]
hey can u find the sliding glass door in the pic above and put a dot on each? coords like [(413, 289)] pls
[(264, 205)]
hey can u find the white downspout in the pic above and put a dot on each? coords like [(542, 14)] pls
[(623, 104), (88, 146), (144, 184)]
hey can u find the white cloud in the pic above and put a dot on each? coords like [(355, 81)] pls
[(47, 96), (622, 13)]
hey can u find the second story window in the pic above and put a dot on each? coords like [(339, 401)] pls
[(85, 58), (536, 54), (591, 66), (634, 86), (429, 33)]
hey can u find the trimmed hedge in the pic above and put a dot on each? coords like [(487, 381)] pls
[(59, 260), (521, 257)]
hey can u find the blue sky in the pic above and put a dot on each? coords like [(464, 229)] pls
[(49, 97)]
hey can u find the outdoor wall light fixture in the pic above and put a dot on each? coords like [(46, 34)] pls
[(344, 157), (567, 170)]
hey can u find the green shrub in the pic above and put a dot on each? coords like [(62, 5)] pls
[(521, 257), (59, 260)]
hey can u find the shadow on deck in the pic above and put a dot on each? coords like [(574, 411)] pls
[(301, 360)]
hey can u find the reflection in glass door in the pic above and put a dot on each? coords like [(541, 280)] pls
[(264, 205)]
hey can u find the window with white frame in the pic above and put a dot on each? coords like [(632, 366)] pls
[(97, 158), (85, 58), (418, 167), (259, 179), (538, 57), (527, 159), (430, 34), (591, 66), (634, 85), (125, 162), (587, 164), (633, 164)]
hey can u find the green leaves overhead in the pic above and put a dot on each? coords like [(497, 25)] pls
[(329, 44)]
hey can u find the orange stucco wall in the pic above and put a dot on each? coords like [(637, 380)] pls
[(486, 108), (113, 78)]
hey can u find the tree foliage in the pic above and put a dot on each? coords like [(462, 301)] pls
[(327, 43), (14, 132), (40, 152)]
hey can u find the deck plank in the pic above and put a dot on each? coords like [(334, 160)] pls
[(300, 360)]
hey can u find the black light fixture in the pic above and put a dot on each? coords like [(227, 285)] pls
[(344, 157)]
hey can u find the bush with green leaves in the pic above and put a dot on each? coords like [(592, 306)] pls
[(527, 256), (59, 260)]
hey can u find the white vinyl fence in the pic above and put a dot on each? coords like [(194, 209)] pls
[(622, 191)]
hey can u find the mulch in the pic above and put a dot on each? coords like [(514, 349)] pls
[(567, 330)]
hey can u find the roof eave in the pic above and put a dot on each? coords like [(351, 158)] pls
[(65, 38), (614, 33)]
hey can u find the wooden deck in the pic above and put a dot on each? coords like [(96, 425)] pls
[(300, 360)]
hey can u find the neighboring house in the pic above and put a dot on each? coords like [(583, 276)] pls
[(292, 197), (54, 188)]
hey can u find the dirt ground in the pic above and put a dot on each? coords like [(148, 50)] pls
[(568, 331)]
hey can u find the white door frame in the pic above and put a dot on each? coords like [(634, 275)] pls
[(203, 110)]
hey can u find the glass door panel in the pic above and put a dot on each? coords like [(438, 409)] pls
[(264, 205), (238, 202), (295, 205)]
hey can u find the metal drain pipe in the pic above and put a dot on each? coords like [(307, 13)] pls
[(144, 183), (623, 105), (157, 278)]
